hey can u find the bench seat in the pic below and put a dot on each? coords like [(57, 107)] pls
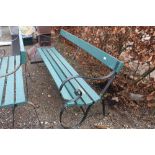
[(60, 70), (11, 87)]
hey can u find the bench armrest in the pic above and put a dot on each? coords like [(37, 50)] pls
[(77, 97), (78, 76)]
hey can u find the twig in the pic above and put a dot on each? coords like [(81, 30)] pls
[(145, 74)]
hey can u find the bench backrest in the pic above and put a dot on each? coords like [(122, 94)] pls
[(22, 49), (102, 56)]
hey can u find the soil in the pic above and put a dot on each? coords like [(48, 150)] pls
[(43, 92)]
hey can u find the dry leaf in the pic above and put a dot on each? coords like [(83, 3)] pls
[(151, 96)]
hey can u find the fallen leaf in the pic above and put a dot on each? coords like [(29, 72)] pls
[(101, 126), (151, 96)]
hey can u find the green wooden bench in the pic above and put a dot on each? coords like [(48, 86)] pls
[(12, 85), (73, 88)]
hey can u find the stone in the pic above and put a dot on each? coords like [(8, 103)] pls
[(54, 122), (49, 96), (136, 97), (115, 99), (46, 123)]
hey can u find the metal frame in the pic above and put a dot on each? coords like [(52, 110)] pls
[(85, 113), (110, 76), (84, 77), (29, 103)]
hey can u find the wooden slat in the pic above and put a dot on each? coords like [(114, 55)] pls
[(102, 56), (20, 92), (75, 84), (83, 83), (3, 71), (9, 94), (55, 76), (69, 87)]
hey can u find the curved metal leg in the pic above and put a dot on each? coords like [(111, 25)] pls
[(82, 119), (30, 103), (85, 114), (82, 109)]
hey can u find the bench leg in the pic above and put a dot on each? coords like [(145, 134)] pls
[(105, 107), (85, 113), (13, 116)]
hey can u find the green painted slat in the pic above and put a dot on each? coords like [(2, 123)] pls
[(89, 90), (76, 85), (23, 57), (56, 78), (20, 92), (102, 56), (62, 76), (9, 94), (3, 71), (68, 86), (22, 49)]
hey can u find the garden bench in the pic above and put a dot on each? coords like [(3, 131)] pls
[(12, 85), (73, 88)]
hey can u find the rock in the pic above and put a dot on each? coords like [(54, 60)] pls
[(136, 97), (146, 37), (125, 126), (49, 96), (46, 123), (133, 64), (115, 99), (125, 56), (133, 77), (54, 122), (153, 74)]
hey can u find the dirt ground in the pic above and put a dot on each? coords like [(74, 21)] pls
[(43, 92)]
